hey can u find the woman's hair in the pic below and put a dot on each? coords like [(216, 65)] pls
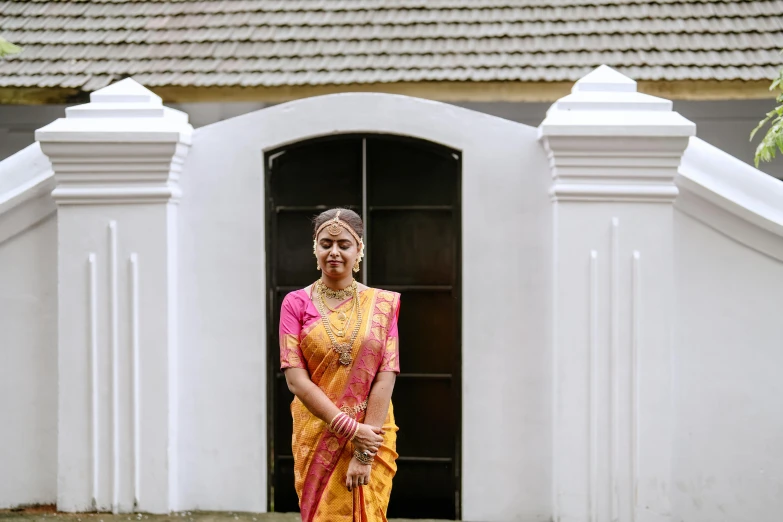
[(347, 215)]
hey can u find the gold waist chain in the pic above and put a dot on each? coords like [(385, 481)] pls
[(353, 411)]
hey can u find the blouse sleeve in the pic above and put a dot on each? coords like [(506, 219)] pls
[(290, 328), (391, 354)]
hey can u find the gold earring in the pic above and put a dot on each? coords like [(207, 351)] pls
[(317, 266), (356, 266)]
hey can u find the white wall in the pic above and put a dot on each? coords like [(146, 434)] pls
[(506, 233), (728, 343), (28, 366), (18, 123), (28, 331), (725, 123), (728, 456), (728, 335)]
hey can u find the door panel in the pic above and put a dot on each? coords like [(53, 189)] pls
[(294, 266), (426, 426), (414, 230), (325, 173), (413, 247), (412, 234), (424, 488), (429, 339), (411, 173)]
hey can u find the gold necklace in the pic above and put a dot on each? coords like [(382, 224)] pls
[(341, 295), (345, 320), (344, 349), (340, 314)]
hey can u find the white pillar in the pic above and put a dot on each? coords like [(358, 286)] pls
[(613, 155), (116, 161)]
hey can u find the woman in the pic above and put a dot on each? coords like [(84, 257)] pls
[(339, 352)]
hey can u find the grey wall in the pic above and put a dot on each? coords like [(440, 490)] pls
[(725, 124)]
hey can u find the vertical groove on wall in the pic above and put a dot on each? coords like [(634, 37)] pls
[(134, 310), (115, 373), (593, 384), (614, 420), (92, 289), (555, 372), (635, 336)]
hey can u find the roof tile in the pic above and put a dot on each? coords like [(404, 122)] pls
[(317, 42)]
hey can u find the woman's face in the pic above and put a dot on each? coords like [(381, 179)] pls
[(336, 254)]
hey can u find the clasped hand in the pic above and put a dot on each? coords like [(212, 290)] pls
[(368, 438)]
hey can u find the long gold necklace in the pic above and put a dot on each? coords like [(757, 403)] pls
[(343, 319), (344, 348), (340, 331)]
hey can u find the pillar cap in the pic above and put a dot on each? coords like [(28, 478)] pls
[(606, 103), (607, 142), (123, 147), (125, 111)]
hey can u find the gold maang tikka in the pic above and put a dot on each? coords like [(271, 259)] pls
[(333, 227)]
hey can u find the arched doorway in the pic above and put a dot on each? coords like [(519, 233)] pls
[(408, 192)]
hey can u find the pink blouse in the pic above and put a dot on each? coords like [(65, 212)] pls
[(298, 316)]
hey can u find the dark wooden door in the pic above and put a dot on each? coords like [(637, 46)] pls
[(408, 192)]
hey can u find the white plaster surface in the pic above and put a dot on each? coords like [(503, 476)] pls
[(725, 124), (28, 366), (117, 161), (505, 182), (26, 182), (613, 154), (727, 452)]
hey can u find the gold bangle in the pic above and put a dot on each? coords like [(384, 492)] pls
[(363, 456)]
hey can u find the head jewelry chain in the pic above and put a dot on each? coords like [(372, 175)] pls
[(334, 227)]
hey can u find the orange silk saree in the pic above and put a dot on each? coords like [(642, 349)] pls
[(320, 457)]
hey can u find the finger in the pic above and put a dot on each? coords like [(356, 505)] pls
[(348, 482), (356, 482)]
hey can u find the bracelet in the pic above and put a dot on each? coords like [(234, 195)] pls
[(353, 433), (344, 426), (363, 456)]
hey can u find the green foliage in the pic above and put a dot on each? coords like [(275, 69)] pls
[(773, 140), (7, 48)]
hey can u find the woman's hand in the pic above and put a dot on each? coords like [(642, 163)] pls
[(368, 438), (358, 474)]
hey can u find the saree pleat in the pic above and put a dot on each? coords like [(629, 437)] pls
[(321, 458)]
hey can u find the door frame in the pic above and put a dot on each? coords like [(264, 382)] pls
[(270, 228)]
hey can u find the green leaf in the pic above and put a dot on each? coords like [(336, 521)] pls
[(761, 124), (772, 142), (759, 151), (7, 47)]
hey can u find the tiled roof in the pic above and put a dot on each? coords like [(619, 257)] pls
[(89, 44)]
